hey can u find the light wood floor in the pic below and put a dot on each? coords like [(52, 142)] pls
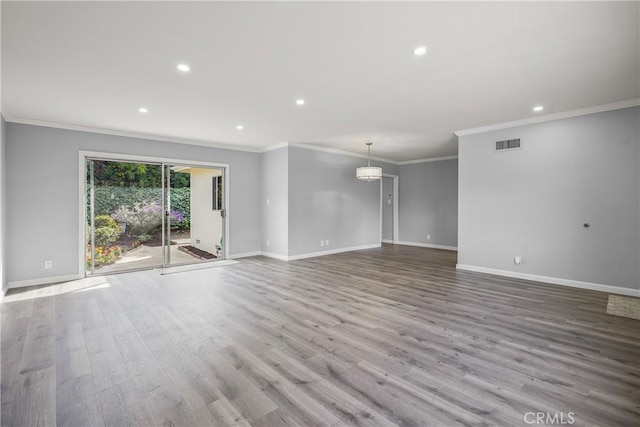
[(377, 337)]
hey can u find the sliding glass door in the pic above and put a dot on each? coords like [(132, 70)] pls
[(149, 215)]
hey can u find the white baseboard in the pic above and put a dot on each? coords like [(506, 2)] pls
[(43, 281), (332, 251), (276, 256), (316, 254), (428, 245), (553, 280), (387, 241), (244, 255)]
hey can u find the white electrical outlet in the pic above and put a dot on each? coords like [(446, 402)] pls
[(321, 242), (428, 236), (268, 202), (48, 264), (517, 260), (268, 243)]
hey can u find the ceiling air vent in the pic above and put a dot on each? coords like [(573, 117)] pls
[(508, 144)]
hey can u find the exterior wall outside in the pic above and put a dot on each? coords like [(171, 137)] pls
[(206, 223)]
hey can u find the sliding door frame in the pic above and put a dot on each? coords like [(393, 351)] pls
[(82, 193)]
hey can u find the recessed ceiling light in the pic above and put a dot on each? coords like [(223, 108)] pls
[(143, 110), (300, 101), (420, 50), (183, 67), (239, 127), (538, 108)]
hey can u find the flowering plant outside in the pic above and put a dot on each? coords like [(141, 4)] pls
[(144, 217), (104, 256)]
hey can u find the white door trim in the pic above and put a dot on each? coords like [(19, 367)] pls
[(82, 198), (395, 206)]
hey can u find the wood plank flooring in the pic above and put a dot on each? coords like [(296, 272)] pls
[(390, 336)]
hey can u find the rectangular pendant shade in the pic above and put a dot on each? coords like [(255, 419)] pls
[(369, 173)]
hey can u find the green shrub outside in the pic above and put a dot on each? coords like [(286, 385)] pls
[(107, 231), (106, 236), (106, 221)]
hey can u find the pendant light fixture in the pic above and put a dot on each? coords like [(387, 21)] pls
[(369, 173)]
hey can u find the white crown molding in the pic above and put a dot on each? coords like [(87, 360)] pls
[(552, 280), (338, 151), (327, 150), (113, 132), (434, 159), (352, 154), (550, 117), (103, 131), (275, 147)]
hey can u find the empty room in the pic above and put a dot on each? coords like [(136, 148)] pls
[(319, 213)]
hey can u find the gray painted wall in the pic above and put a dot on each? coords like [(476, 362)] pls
[(533, 202), (327, 202), (275, 189), (428, 203), (3, 204), (42, 198)]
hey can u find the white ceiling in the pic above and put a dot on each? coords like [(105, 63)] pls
[(94, 64)]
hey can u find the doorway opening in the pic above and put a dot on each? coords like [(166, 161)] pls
[(143, 214), (389, 209)]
